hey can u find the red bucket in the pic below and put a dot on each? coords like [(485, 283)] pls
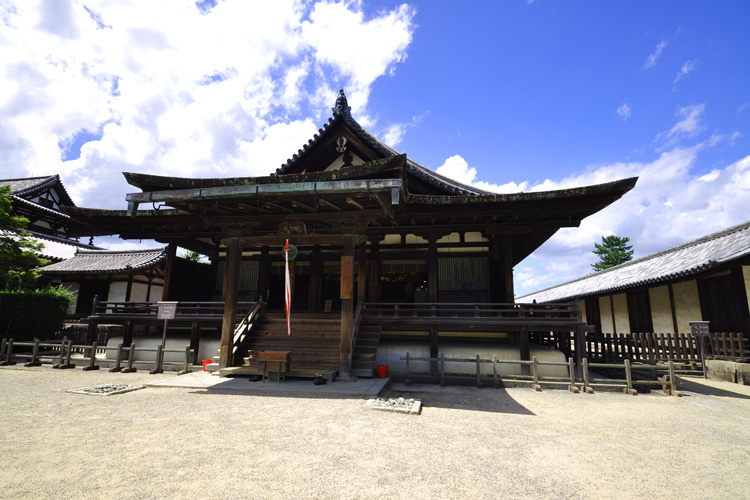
[(383, 371), (206, 362)]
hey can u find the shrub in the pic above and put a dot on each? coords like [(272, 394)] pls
[(27, 314)]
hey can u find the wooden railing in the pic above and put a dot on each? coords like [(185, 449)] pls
[(186, 310), (521, 313)]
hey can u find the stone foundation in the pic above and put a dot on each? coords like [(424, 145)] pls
[(730, 371)]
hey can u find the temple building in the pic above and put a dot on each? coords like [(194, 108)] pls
[(39, 199), (373, 234)]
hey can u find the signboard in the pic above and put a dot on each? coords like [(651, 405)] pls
[(167, 310), (699, 328)]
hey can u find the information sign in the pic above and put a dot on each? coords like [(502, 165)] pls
[(699, 328), (167, 310)]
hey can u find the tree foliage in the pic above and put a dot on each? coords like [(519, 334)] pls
[(192, 256), (19, 262), (26, 314), (612, 251)]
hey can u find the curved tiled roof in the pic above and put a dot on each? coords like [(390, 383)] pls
[(108, 261), (342, 112), (674, 263), (31, 186)]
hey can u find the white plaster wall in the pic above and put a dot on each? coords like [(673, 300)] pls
[(687, 304), (661, 309), (390, 353), (117, 291), (139, 292), (75, 288), (584, 315), (157, 292), (746, 275), (622, 320), (605, 311)]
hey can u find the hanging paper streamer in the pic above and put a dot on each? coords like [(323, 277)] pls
[(288, 291)]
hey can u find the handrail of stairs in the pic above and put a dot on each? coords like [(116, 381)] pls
[(358, 314), (248, 322)]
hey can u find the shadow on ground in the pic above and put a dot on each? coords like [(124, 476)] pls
[(688, 386), (495, 400)]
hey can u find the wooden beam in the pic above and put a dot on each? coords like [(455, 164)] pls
[(295, 239), (328, 204), (350, 201), (297, 204), (387, 210), (278, 207)]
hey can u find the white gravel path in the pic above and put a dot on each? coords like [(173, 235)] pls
[(468, 443)]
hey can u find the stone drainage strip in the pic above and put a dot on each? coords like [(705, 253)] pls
[(400, 405), (106, 389)]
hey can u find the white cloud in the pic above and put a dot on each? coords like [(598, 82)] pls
[(651, 59), (654, 218), (624, 111), (689, 125), (684, 70), (175, 90)]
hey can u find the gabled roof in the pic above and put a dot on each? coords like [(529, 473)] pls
[(55, 249), (28, 187), (676, 263), (108, 261), (342, 114)]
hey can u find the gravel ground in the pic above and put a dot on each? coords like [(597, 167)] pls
[(467, 443)]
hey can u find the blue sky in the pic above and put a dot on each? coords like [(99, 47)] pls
[(510, 96)]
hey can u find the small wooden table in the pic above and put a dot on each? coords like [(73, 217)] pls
[(273, 363)]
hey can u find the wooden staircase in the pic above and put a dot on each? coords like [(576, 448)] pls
[(313, 344), (365, 349)]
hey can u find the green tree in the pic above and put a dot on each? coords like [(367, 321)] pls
[(19, 262), (612, 251), (192, 256)]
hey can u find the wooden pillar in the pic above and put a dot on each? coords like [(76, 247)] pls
[(362, 271), (500, 266), (524, 348), (316, 277), (347, 304), (128, 335), (432, 294), (168, 291), (195, 339), (231, 291), (129, 288), (509, 292), (264, 270), (373, 293)]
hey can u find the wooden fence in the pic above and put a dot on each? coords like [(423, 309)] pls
[(647, 347), (583, 377)]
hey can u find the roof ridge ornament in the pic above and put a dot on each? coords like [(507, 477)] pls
[(342, 105)]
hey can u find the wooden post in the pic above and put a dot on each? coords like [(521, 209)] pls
[(131, 359), (374, 281), (91, 329), (159, 360), (362, 271), (117, 366), (186, 367), (347, 304), (585, 369), (535, 373), (524, 349), (92, 361), (264, 271), (195, 339), (231, 291), (432, 293), (128, 336), (479, 373), (168, 290), (316, 276)]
